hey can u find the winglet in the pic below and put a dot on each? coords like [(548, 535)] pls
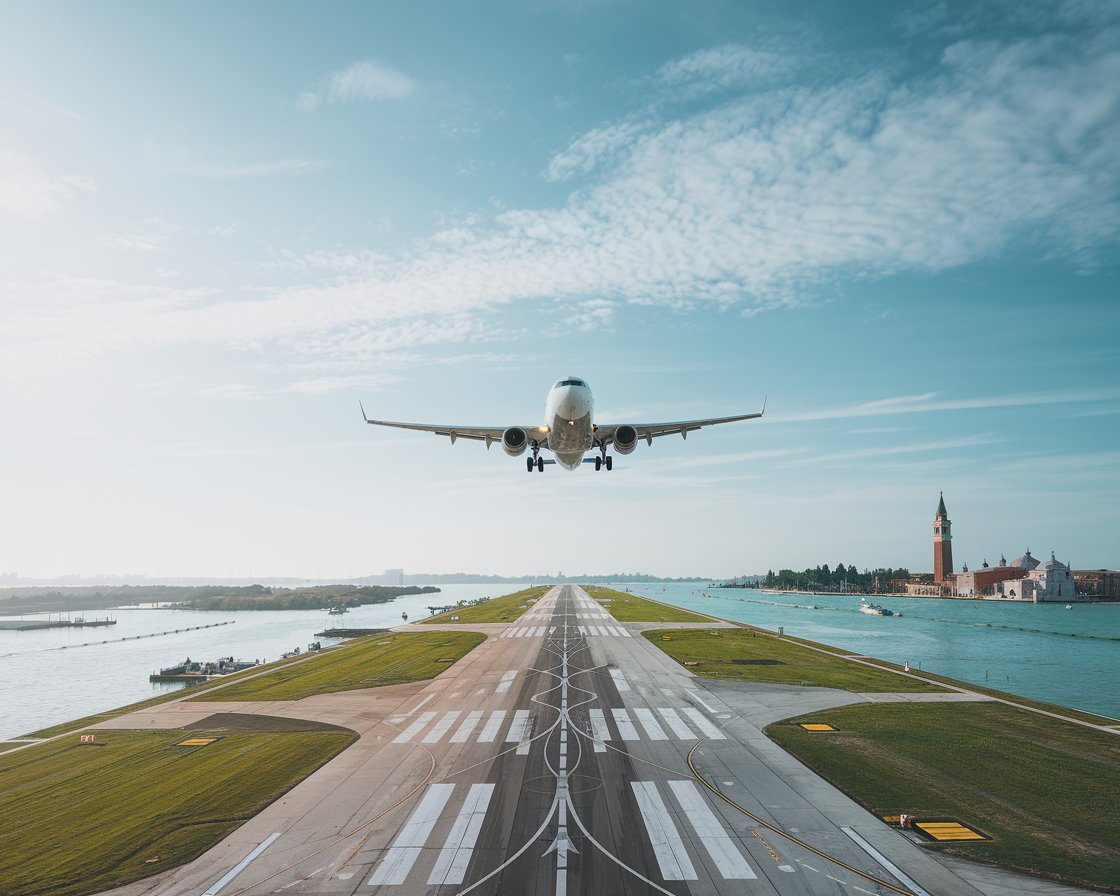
[(763, 411), (364, 417)]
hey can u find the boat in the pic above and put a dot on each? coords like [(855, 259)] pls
[(1069, 606), (874, 609), (404, 616), (337, 611)]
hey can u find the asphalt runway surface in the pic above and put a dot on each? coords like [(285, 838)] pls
[(565, 755)]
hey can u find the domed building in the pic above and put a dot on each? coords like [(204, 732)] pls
[(1053, 581)]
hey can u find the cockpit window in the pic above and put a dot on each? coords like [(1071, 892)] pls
[(570, 383)]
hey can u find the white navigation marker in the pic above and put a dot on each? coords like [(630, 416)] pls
[(451, 864), (649, 722), (506, 681), (440, 728), (726, 857), (668, 848), (619, 679), (406, 848), (680, 729), (415, 728), (463, 732), (599, 730), (492, 726), (626, 729), (706, 728)]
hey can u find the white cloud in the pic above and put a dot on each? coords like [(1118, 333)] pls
[(592, 148), (365, 81), (28, 191), (221, 230), (721, 68)]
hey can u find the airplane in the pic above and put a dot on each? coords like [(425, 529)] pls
[(568, 431)]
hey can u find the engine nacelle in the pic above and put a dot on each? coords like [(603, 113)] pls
[(514, 441), (625, 439)]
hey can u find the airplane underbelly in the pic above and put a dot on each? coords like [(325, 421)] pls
[(568, 440)]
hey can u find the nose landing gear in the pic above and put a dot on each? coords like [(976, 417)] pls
[(535, 461)]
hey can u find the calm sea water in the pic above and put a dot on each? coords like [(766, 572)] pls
[(1068, 657), (47, 677)]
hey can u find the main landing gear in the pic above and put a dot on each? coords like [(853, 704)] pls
[(535, 461), (604, 459)]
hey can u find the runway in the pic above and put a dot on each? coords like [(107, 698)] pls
[(566, 755)]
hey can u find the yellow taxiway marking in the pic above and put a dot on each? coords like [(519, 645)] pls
[(196, 742), (817, 726), (948, 830)]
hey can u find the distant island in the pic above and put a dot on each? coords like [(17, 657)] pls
[(210, 597)]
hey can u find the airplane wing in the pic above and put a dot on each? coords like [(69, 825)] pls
[(650, 431), (487, 434)]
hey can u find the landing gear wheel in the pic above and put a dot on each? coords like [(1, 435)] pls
[(598, 464), (540, 464), (530, 462), (609, 462)]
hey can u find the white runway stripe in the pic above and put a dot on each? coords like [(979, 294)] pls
[(649, 723), (620, 680), (415, 728), (668, 848), (626, 729), (599, 730), (518, 726), (441, 727), (463, 733), (701, 722), (680, 729), (492, 726), (406, 848), (725, 855), (506, 681), (451, 864)]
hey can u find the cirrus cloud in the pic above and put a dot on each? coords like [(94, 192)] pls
[(365, 81)]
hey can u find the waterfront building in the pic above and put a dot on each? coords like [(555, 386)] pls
[(1053, 581), (1097, 584), (991, 581), (942, 544)]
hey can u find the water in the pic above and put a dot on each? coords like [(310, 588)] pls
[(42, 684), (1068, 657)]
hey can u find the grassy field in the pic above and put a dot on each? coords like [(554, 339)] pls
[(1046, 791), (631, 608), (719, 653), (87, 818), (367, 663), (497, 609)]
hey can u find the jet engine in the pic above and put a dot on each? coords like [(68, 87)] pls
[(625, 439), (514, 441)]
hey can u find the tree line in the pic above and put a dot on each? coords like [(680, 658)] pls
[(824, 578)]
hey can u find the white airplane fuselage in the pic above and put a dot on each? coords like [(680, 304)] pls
[(567, 414)]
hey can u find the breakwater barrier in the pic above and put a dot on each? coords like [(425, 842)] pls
[(176, 631)]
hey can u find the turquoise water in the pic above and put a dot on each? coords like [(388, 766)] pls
[(1068, 657)]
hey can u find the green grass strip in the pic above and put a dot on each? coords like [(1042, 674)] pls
[(1046, 791), (88, 818), (716, 652), (631, 608), (369, 662), (498, 609)]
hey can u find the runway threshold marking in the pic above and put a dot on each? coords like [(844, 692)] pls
[(506, 681), (415, 728), (620, 681), (668, 847), (453, 860), (626, 729), (715, 839), (406, 848), (441, 727), (599, 730), (700, 721), (466, 728), (242, 865), (700, 700), (647, 720), (492, 726)]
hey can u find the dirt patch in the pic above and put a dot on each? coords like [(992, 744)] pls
[(241, 721)]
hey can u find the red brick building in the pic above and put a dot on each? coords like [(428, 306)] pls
[(942, 545)]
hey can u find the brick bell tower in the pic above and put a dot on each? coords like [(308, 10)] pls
[(942, 544)]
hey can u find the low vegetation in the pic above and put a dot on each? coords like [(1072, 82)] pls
[(496, 609), (86, 818), (747, 654), (367, 663), (627, 607), (1045, 791)]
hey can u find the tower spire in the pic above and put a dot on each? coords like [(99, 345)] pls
[(941, 511)]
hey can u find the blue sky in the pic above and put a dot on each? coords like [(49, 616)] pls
[(223, 225)]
